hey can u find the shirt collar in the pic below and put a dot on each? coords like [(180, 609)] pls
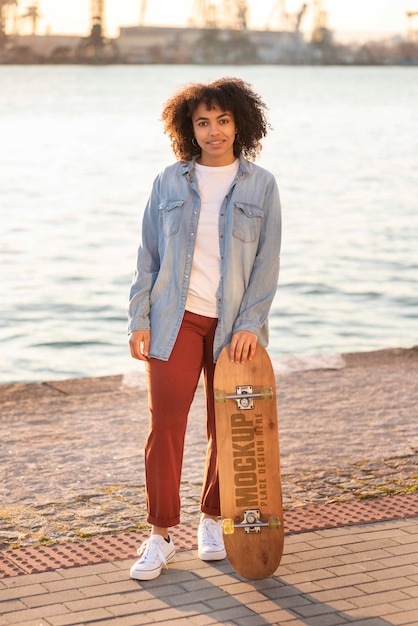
[(244, 166)]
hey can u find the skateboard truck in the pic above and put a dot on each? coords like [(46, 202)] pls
[(244, 396), (251, 523)]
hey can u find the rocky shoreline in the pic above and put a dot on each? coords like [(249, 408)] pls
[(72, 450)]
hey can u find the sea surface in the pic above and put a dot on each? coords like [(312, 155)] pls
[(80, 147)]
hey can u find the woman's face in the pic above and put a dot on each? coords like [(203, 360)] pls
[(215, 133)]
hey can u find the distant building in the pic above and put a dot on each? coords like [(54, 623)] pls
[(39, 48), (153, 44)]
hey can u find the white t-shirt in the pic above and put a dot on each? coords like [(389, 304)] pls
[(213, 184)]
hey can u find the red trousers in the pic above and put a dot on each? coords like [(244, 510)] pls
[(171, 388)]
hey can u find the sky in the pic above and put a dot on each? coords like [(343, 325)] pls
[(371, 16)]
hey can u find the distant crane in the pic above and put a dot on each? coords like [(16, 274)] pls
[(97, 19), (32, 13), (96, 48), (278, 16), (280, 19), (226, 14), (239, 14), (299, 17), (320, 31), (207, 13), (8, 11), (410, 16), (142, 12)]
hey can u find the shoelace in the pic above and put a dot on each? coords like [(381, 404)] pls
[(209, 535), (149, 550)]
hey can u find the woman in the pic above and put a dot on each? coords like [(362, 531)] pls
[(206, 276)]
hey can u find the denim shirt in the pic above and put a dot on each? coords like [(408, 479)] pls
[(249, 243)]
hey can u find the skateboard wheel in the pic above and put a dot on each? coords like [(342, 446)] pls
[(228, 526), (220, 397), (267, 393), (274, 523)]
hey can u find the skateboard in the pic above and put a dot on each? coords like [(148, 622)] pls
[(249, 464)]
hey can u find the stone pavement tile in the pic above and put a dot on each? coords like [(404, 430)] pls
[(413, 591), (385, 610), (41, 577), (404, 559), (314, 576), (12, 593), (11, 606), (407, 613), (367, 556), (376, 599), (394, 572), (407, 605), (275, 617), (403, 548), (39, 613), (127, 620), (74, 583), (92, 615), (64, 596), (86, 570), (379, 586)]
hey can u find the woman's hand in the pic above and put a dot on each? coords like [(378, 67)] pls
[(243, 346), (139, 341)]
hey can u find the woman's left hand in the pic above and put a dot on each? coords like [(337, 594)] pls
[(243, 346)]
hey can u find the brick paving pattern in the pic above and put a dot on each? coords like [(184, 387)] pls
[(360, 575)]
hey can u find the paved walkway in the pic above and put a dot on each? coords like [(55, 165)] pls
[(71, 469), (364, 575)]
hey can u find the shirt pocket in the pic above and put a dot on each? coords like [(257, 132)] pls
[(247, 221), (171, 212)]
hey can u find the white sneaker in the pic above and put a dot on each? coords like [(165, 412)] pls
[(154, 554), (210, 541)]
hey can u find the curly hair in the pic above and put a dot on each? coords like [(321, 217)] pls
[(229, 94)]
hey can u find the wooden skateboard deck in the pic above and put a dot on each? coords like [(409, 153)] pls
[(249, 464)]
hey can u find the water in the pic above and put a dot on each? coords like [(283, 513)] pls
[(80, 146)]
